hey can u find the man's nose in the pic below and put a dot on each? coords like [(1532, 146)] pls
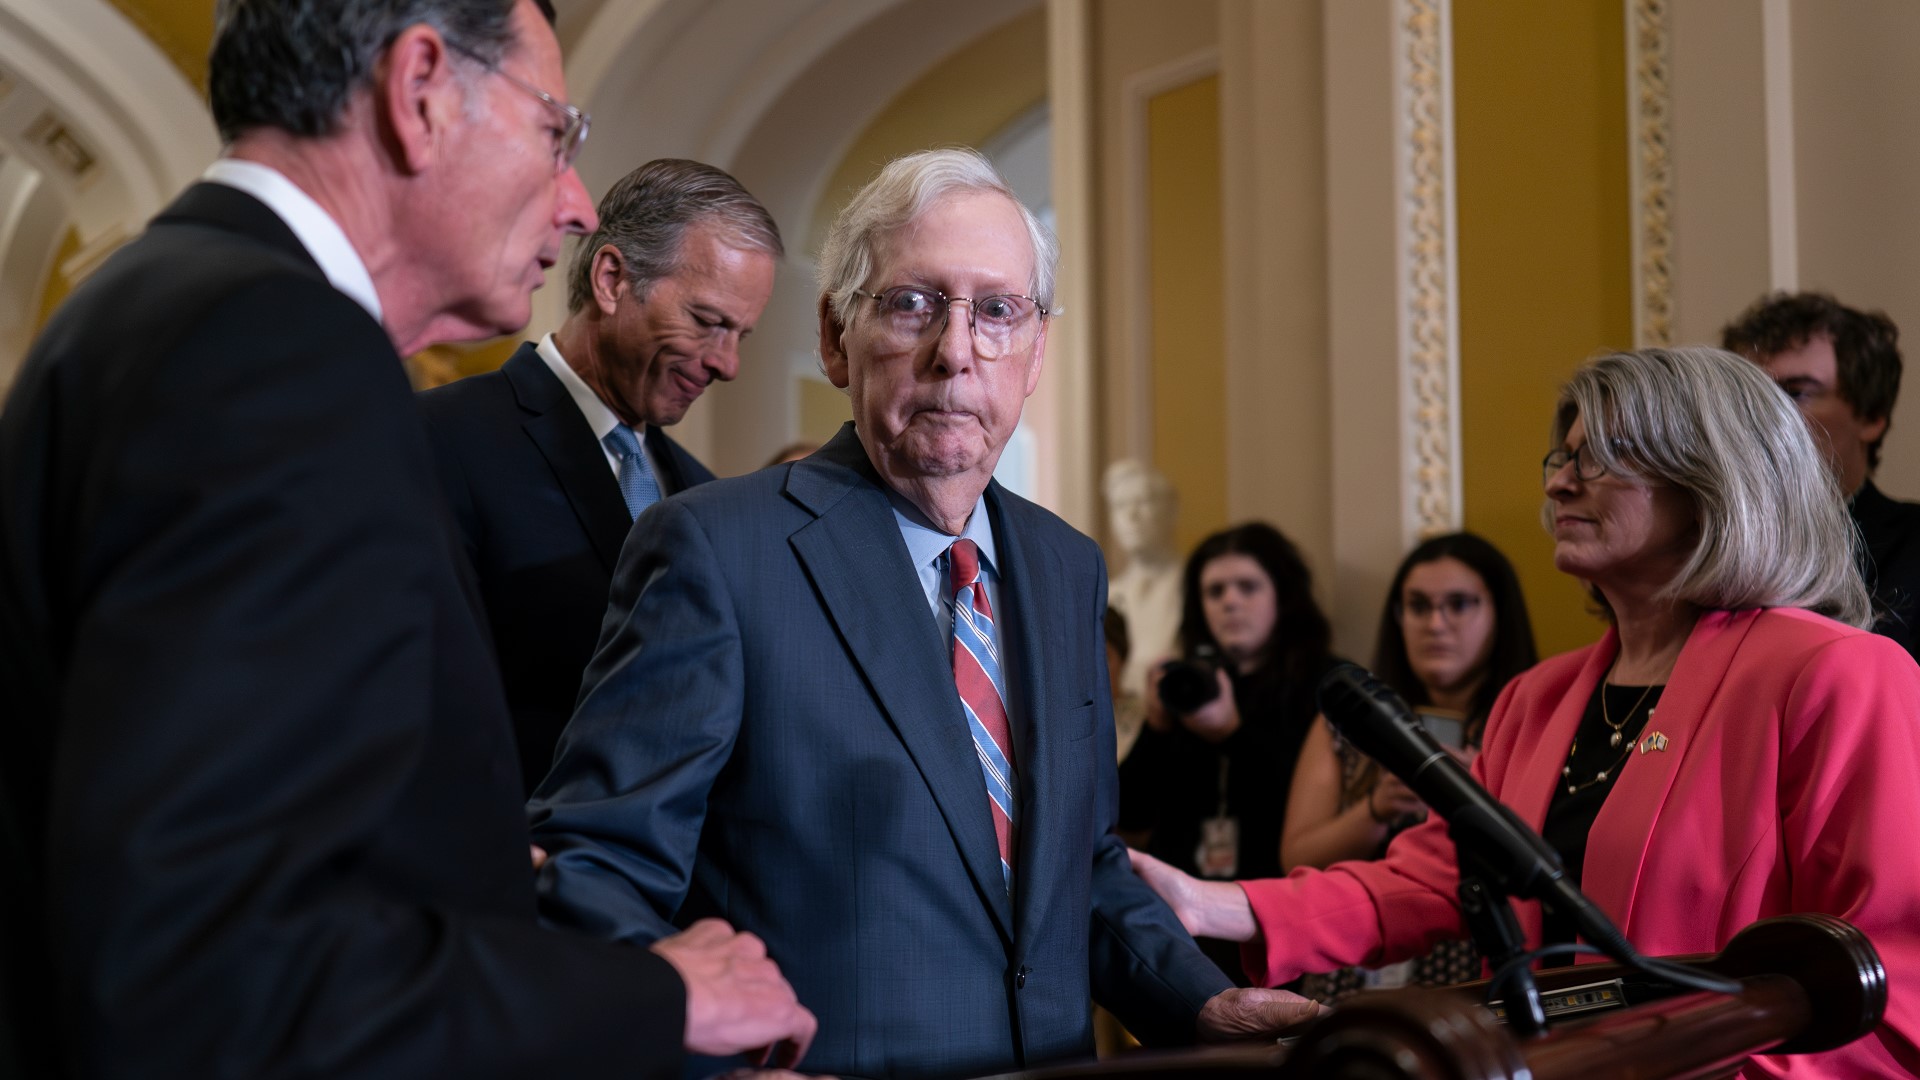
[(724, 358), (573, 208), (953, 351)]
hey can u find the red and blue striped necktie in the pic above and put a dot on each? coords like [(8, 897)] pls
[(977, 675)]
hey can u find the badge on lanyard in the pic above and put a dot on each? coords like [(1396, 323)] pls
[(1218, 855)]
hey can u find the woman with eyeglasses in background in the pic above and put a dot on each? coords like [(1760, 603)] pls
[(1735, 746), (1453, 632)]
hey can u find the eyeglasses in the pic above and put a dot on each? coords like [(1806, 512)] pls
[(1001, 325), (1586, 466), (567, 138), (1452, 607)]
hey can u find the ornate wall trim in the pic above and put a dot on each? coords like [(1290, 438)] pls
[(1428, 243), (1650, 119)]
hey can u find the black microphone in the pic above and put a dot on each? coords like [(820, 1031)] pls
[(1371, 717)]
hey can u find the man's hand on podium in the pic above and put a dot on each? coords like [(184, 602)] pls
[(737, 1000), (1241, 1014)]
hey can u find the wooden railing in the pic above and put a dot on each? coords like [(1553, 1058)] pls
[(1808, 983)]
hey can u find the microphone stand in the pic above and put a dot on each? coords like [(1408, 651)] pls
[(1496, 933)]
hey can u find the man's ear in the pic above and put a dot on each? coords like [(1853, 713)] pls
[(1872, 431), (418, 96), (608, 278), (833, 352)]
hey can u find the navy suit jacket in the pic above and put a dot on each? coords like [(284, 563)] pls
[(770, 733), (542, 520), (259, 811)]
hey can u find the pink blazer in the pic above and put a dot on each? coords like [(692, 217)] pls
[(1790, 782)]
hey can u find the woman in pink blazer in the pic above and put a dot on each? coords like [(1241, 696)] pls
[(1734, 747)]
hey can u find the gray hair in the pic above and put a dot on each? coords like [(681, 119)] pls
[(1774, 530), (647, 214), (905, 189), (294, 64)]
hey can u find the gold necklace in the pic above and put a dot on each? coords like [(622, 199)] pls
[(1567, 770), (1600, 778), (1625, 720)]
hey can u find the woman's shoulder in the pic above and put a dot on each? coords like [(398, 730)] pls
[(1793, 638)]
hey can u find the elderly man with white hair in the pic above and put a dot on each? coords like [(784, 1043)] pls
[(858, 704)]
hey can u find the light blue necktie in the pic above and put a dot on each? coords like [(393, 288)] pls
[(637, 485)]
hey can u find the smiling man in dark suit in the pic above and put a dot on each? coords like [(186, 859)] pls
[(259, 809), (859, 703), (548, 460)]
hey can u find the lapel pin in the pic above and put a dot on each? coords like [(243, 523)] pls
[(1653, 740)]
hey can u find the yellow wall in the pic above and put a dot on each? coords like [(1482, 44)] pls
[(1185, 300), (182, 29), (963, 100), (1545, 257)]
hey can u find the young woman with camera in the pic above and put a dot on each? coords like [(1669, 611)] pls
[(1225, 722)]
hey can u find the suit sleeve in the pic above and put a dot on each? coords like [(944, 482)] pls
[(1146, 968), (250, 688), (621, 812), (1850, 810)]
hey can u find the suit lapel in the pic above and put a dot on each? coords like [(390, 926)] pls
[(1638, 798), (563, 438), (1531, 782), (1030, 604), (857, 562)]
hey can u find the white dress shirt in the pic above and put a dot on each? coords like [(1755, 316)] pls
[(311, 224)]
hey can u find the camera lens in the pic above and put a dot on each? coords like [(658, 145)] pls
[(1186, 685)]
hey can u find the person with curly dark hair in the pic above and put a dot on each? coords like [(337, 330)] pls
[(1216, 755), (1841, 366)]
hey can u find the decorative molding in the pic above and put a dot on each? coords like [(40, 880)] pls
[(1783, 197), (1650, 120), (1428, 241), (1135, 228)]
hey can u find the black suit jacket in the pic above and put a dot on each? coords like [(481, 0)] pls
[(542, 520), (259, 813), (1891, 529)]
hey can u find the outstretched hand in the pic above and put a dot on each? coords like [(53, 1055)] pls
[(1240, 1014), (737, 1000), (1216, 909)]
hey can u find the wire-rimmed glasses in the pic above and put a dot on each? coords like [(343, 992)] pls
[(1002, 325), (569, 137)]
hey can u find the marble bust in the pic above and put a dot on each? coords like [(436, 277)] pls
[(1142, 507)]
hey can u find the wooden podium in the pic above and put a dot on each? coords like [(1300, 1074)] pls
[(1808, 983)]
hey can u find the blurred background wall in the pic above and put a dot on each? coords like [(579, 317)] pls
[(1325, 261)]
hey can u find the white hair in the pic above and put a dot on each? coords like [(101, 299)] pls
[(905, 189), (1774, 529)]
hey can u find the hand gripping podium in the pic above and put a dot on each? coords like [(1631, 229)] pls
[(1807, 983)]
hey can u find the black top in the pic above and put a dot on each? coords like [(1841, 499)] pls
[(1581, 792), (1171, 782), (1891, 562)]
